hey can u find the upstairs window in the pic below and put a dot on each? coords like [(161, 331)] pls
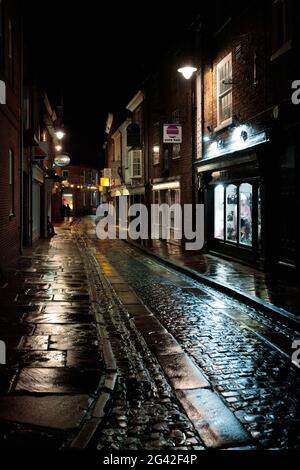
[(136, 163), (281, 27), (1, 36), (224, 91), (156, 143), (10, 50)]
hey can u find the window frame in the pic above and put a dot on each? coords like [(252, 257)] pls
[(254, 229), (136, 153), (228, 121)]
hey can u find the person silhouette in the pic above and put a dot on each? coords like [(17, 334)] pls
[(68, 210)]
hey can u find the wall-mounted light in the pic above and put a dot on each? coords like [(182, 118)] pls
[(187, 71), (206, 138), (58, 148)]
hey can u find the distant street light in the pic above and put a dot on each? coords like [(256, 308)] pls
[(187, 71), (59, 134)]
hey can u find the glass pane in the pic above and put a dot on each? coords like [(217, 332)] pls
[(231, 213), (219, 212), (246, 214)]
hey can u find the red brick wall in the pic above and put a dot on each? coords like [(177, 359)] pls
[(174, 94), (10, 139)]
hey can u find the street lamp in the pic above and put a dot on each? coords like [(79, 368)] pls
[(187, 71), (58, 148), (59, 134)]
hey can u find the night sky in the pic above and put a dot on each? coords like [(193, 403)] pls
[(97, 56)]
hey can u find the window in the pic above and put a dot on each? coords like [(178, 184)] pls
[(11, 185), (156, 143), (224, 91), (238, 224), (219, 212), (259, 215), (281, 26), (166, 159), (176, 151), (231, 213), (10, 51), (1, 36), (26, 109), (176, 116), (245, 214), (136, 163), (65, 174)]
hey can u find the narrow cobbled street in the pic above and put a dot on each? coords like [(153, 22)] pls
[(109, 349)]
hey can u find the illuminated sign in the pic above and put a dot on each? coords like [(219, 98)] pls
[(172, 134), (62, 160), (104, 182)]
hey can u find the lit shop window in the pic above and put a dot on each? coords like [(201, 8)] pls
[(246, 214), (231, 213), (259, 215), (219, 212), (238, 223)]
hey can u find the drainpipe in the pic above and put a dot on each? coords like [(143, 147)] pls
[(21, 187)]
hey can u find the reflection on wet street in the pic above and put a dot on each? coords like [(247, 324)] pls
[(225, 338)]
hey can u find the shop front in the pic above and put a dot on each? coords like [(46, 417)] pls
[(231, 188), (167, 193)]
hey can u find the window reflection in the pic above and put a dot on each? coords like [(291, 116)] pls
[(231, 213), (246, 214)]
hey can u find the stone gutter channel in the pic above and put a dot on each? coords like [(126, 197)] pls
[(97, 412), (216, 425)]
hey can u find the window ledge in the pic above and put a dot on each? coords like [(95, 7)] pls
[(287, 46), (223, 126)]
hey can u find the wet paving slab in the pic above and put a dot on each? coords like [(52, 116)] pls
[(59, 412), (63, 318), (57, 380), (37, 358), (76, 329), (52, 346), (69, 343)]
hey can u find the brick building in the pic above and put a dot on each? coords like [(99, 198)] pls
[(247, 154), (239, 149), (10, 135), (169, 99)]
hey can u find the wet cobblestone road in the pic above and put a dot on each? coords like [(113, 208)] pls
[(245, 354)]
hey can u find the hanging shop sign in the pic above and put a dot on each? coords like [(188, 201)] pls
[(62, 160), (172, 134), (40, 152), (104, 182)]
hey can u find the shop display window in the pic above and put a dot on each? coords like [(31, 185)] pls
[(245, 224), (219, 212), (231, 213), (234, 222)]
